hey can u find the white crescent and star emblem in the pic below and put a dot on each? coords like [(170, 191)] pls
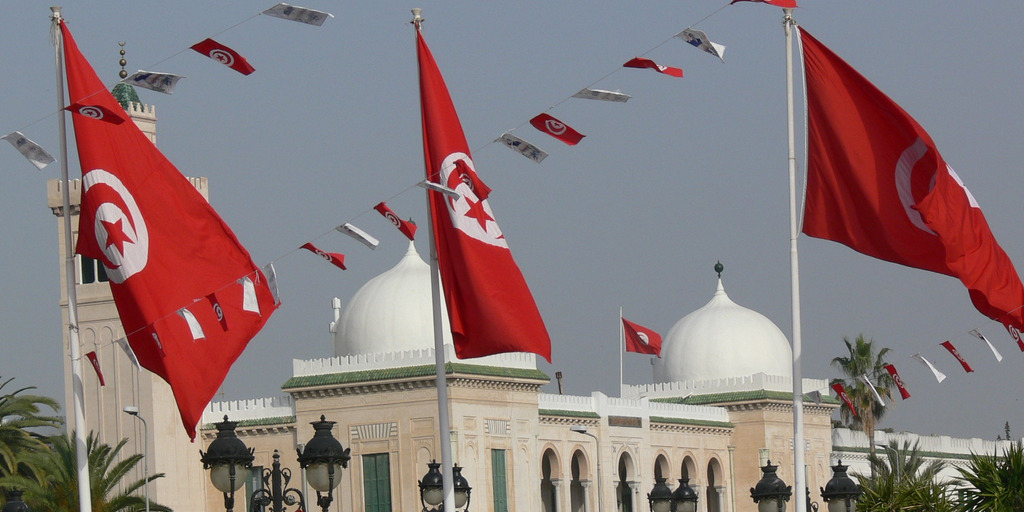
[(92, 112), (903, 175), (643, 337), (469, 213), (223, 57), (122, 236), (554, 127)]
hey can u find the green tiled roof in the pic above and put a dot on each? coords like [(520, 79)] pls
[(696, 423), (568, 414), (739, 396), (257, 422), (125, 95), (409, 372)]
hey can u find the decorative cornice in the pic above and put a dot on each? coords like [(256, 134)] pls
[(724, 425), (827, 403), (568, 414), (415, 377)]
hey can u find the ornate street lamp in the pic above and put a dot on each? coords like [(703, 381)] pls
[(432, 488), (771, 493), (684, 499), (14, 503), (841, 492), (660, 497), (226, 458), (323, 458)]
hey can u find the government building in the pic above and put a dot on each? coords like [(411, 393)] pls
[(720, 406)]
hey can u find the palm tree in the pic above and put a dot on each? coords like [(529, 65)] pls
[(59, 490), (862, 360), (994, 482), (23, 429), (904, 480)]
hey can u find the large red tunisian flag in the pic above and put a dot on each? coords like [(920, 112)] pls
[(877, 184), (164, 249), (489, 304)]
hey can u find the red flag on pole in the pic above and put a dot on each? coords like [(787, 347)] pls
[(841, 393), (640, 339), (877, 184), (557, 129), (407, 227), (97, 112), (790, 4), (642, 63), (899, 382), (96, 366), (224, 55), (489, 304), (334, 258), (948, 345), (163, 247)]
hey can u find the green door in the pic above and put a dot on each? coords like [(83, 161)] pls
[(500, 482), (377, 482)]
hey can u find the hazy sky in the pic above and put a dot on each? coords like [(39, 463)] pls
[(688, 172)]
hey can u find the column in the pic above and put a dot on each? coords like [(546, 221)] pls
[(720, 491), (634, 487), (556, 494), (586, 496)]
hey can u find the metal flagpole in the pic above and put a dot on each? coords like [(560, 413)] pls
[(84, 494), (799, 475), (444, 421), (622, 348)]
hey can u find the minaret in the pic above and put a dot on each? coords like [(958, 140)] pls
[(169, 448)]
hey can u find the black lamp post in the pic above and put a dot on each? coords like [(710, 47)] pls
[(660, 497), (684, 499), (771, 493), (226, 458), (14, 503), (432, 488), (323, 459), (841, 492)]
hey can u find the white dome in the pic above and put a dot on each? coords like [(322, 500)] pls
[(392, 312), (722, 340)]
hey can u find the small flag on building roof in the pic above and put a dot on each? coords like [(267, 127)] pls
[(599, 94), (640, 339), (948, 345), (300, 14), (30, 150), (557, 129), (939, 376), (334, 258), (522, 147), (643, 63), (360, 235), (159, 82), (698, 39), (977, 334), (224, 55)]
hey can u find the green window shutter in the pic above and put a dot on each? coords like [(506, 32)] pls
[(499, 480), (377, 482)]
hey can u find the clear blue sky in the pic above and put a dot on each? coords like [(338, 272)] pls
[(688, 172)]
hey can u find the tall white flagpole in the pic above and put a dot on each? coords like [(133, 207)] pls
[(622, 348), (78, 391), (799, 475), (443, 419)]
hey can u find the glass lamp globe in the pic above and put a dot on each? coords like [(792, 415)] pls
[(320, 478), (220, 475)]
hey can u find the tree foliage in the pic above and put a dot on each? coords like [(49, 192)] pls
[(994, 483), (24, 425), (904, 480), (862, 360)]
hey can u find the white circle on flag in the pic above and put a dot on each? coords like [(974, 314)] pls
[(133, 225), (92, 112), (554, 127), (643, 337), (469, 213), (904, 170), (223, 57)]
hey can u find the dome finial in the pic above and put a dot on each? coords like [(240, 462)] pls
[(123, 74), (719, 268)]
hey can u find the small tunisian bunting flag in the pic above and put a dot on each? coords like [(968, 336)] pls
[(163, 247), (640, 339), (948, 345), (334, 258), (899, 382), (557, 129), (489, 304), (407, 227), (841, 393), (97, 112), (642, 63), (96, 366), (939, 376), (224, 55), (995, 353), (777, 3), (877, 184)]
